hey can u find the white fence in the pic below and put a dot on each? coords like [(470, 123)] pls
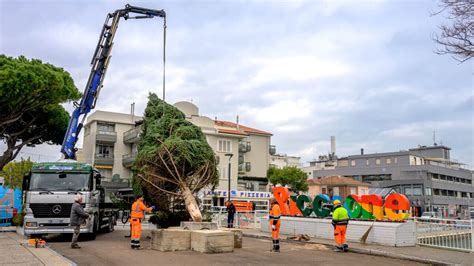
[(445, 233), (241, 219)]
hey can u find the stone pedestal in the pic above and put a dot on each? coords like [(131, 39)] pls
[(237, 236), (172, 239), (212, 241), (199, 225)]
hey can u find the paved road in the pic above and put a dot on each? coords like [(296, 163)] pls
[(114, 249)]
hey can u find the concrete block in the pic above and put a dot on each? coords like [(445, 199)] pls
[(237, 236), (171, 239), (199, 225), (212, 241)]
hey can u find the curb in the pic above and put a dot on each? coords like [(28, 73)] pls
[(72, 263), (371, 252)]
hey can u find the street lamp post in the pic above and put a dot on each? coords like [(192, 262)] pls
[(228, 188)]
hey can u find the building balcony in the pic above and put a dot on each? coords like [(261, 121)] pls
[(272, 150), (132, 135), (106, 136), (128, 159), (244, 146), (104, 159)]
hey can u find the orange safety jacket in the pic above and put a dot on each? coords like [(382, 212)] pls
[(275, 213), (138, 207)]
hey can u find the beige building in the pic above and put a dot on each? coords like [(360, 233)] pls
[(110, 144), (107, 143), (337, 186), (283, 160)]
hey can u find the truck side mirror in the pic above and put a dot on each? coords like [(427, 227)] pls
[(98, 179), (26, 182)]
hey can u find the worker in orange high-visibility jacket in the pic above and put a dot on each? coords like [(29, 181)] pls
[(340, 220), (136, 217), (274, 219)]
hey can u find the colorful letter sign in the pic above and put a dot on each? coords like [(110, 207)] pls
[(370, 207)]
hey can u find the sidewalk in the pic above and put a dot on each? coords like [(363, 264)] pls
[(420, 254), (14, 251)]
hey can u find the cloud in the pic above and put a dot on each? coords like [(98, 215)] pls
[(362, 71), (297, 68)]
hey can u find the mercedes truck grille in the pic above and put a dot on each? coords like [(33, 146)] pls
[(51, 210)]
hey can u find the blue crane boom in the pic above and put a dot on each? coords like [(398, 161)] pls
[(99, 63)]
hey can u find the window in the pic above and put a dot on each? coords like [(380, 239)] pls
[(428, 191), (353, 163), (408, 191), (377, 161), (388, 161), (417, 191), (104, 151), (105, 127), (366, 161), (395, 160), (223, 174), (353, 190), (224, 145)]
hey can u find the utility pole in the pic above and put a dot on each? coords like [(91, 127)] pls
[(228, 188)]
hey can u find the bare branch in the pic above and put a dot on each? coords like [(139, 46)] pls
[(157, 187)]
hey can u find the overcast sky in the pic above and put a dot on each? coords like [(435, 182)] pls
[(363, 71)]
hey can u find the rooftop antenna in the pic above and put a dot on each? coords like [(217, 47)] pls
[(132, 110), (434, 138)]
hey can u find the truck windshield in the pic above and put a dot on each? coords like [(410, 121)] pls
[(53, 182)]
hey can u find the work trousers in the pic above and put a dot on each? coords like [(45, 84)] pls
[(230, 221), (75, 236), (136, 232), (275, 235), (340, 234)]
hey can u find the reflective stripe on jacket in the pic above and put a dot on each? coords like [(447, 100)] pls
[(275, 213), (138, 207), (340, 216)]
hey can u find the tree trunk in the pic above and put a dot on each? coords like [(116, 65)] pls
[(191, 205), (8, 153)]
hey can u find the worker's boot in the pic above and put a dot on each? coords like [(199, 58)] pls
[(339, 249), (273, 245), (345, 247), (75, 246), (277, 246)]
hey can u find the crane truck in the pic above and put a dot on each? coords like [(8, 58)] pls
[(49, 188)]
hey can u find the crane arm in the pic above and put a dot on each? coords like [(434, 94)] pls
[(99, 63)]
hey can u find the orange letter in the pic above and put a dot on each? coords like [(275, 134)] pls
[(395, 204), (294, 211), (281, 195)]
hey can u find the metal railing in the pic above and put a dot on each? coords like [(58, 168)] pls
[(247, 220), (445, 233)]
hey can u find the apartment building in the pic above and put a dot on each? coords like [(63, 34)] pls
[(110, 143), (426, 175), (283, 160), (337, 186), (107, 144), (250, 149)]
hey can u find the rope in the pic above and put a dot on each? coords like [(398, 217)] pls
[(164, 55)]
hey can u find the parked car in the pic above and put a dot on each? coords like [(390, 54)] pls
[(427, 216)]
